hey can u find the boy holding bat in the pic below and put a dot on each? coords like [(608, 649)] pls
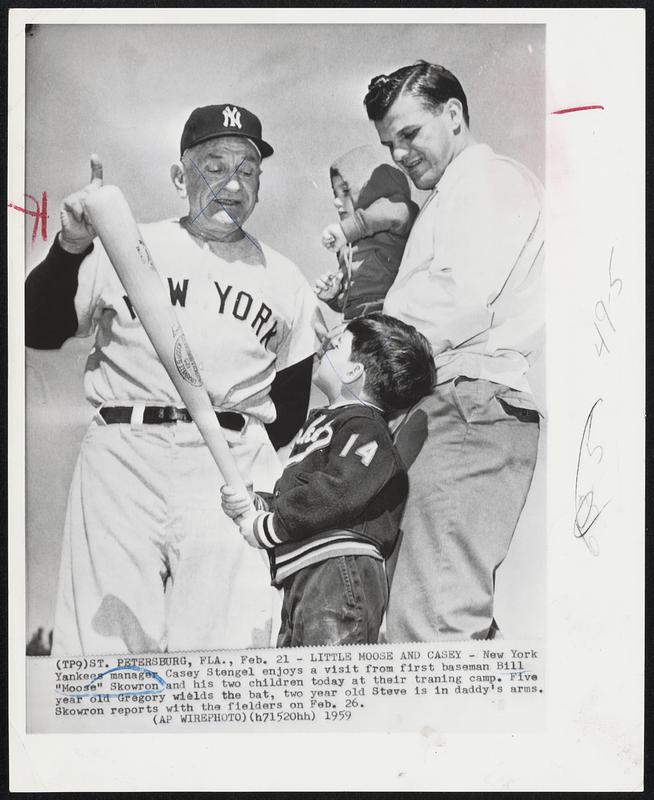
[(333, 517)]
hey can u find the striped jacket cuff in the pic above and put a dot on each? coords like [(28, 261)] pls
[(264, 530)]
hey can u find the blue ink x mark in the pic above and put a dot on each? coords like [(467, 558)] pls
[(215, 196), (217, 191), (132, 693)]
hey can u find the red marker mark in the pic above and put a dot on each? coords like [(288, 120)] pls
[(40, 214), (577, 108)]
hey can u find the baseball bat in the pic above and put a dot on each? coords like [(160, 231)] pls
[(112, 218)]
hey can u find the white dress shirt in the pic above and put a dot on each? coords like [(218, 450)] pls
[(471, 279)]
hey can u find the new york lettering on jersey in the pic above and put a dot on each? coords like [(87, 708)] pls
[(240, 303), (243, 322)]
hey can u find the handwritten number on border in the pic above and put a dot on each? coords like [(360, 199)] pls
[(587, 511)]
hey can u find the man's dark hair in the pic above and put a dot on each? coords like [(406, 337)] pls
[(397, 358), (433, 84)]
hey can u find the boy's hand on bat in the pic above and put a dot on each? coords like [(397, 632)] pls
[(239, 508), (234, 503), (246, 529)]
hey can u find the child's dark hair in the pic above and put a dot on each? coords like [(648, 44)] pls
[(397, 358)]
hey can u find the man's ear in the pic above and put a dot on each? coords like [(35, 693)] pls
[(178, 177), (454, 110), (353, 372)]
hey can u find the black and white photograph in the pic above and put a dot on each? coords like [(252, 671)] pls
[(284, 192), (298, 365)]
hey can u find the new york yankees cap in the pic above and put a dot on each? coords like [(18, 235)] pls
[(210, 122)]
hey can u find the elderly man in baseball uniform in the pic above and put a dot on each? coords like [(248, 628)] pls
[(471, 281), (149, 561)]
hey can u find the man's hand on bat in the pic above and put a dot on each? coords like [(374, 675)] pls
[(77, 233)]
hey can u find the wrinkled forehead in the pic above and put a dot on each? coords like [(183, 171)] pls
[(227, 147), (406, 111)]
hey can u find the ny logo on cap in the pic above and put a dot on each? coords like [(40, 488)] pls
[(231, 117)]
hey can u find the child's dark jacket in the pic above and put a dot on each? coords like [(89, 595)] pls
[(377, 231), (342, 492)]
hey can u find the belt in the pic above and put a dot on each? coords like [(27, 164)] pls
[(157, 415)]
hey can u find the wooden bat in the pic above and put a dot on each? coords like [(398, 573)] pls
[(112, 218)]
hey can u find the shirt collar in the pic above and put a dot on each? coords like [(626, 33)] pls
[(467, 161)]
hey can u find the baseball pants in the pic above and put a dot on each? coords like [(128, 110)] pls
[(149, 561), (467, 487)]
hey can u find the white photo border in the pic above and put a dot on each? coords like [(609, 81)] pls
[(595, 181)]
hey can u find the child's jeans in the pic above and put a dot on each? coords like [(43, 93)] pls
[(338, 601)]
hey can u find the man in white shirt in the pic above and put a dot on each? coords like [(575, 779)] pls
[(471, 281)]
